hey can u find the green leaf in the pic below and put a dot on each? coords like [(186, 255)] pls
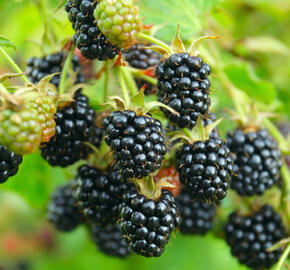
[(5, 42)]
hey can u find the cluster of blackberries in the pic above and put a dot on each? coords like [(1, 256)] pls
[(88, 38)]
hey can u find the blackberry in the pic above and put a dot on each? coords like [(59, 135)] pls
[(9, 163), (196, 217), (141, 58), (40, 67), (109, 241), (99, 194), (250, 236), (257, 161), (61, 211), (183, 85), (137, 143), (75, 126), (205, 169), (146, 224), (88, 38)]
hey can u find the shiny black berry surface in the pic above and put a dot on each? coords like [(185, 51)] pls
[(88, 38), (75, 125), (257, 161), (99, 193), (196, 217), (205, 169), (40, 67), (137, 142), (250, 236), (146, 225), (183, 85), (61, 211), (109, 241), (9, 163)]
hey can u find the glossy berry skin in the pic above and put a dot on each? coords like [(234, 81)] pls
[(61, 210), (250, 236), (109, 241), (9, 163), (196, 217), (99, 193), (20, 131), (205, 169), (119, 21), (257, 161), (172, 177), (141, 58), (75, 126), (137, 143), (146, 225), (183, 85), (88, 38), (40, 67)]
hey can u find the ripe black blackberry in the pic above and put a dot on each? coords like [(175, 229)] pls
[(196, 217), (88, 38), (257, 161), (137, 142), (75, 126), (250, 236), (141, 58), (9, 163), (99, 194), (61, 211), (109, 241), (146, 224), (183, 85), (40, 67)]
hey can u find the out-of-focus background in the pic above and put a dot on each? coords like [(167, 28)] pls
[(254, 46)]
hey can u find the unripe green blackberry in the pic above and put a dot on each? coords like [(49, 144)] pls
[(119, 21), (251, 236)]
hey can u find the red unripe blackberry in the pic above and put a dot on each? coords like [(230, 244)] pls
[(196, 217), (141, 58), (9, 163), (99, 193), (88, 38), (75, 126), (40, 67), (205, 169), (183, 85), (137, 142), (109, 241), (257, 161), (146, 224), (250, 236), (61, 210)]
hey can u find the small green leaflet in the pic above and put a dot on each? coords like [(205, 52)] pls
[(5, 42)]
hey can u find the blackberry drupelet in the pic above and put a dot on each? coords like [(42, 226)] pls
[(196, 217), (88, 38), (99, 194), (61, 211), (257, 161), (205, 169), (141, 58), (75, 126), (109, 241), (146, 224), (40, 67), (250, 236), (9, 163), (183, 85), (137, 143)]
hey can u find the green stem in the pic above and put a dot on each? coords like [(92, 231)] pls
[(137, 73), (285, 190), (155, 41), (283, 258), (64, 72), (14, 65), (129, 81), (43, 14), (123, 87), (106, 82)]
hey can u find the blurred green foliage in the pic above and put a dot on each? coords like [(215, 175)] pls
[(253, 45)]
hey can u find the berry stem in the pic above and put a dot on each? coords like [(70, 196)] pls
[(285, 191), (123, 86), (283, 258), (14, 65), (139, 74), (155, 41), (129, 81), (65, 70), (106, 81)]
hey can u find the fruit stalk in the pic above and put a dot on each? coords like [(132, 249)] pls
[(65, 71), (155, 41), (283, 258), (123, 86)]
